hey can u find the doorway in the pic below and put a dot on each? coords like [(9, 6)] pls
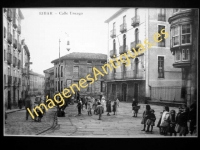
[(9, 100), (124, 91), (136, 91)]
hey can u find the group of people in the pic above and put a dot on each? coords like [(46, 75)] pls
[(183, 122), (97, 105)]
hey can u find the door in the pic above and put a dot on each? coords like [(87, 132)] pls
[(9, 100), (136, 91), (124, 90)]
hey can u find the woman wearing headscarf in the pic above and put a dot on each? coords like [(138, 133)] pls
[(164, 124)]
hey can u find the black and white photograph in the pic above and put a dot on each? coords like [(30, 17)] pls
[(100, 72)]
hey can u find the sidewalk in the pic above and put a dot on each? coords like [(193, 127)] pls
[(14, 110)]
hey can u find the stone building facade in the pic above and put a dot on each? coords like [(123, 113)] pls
[(49, 82), (75, 66), (150, 76), (184, 26), (12, 56)]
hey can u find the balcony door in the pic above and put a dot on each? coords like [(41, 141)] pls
[(124, 91), (136, 67), (124, 42), (114, 47)]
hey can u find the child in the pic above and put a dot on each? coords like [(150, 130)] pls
[(146, 115), (114, 107), (134, 107), (172, 122), (89, 107), (151, 121), (158, 125)]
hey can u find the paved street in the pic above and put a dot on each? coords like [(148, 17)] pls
[(16, 123), (120, 125)]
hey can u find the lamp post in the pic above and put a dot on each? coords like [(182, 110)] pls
[(59, 111)]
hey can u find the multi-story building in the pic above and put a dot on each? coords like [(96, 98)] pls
[(75, 66), (184, 26), (36, 83), (150, 76), (49, 82), (25, 69), (12, 56)]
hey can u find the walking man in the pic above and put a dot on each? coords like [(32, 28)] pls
[(99, 110)]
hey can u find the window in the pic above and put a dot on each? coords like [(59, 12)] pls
[(61, 86), (56, 72), (124, 42), (56, 86), (61, 71), (160, 67), (136, 36), (175, 36), (114, 47), (89, 61), (178, 55), (89, 88), (4, 55), (76, 61), (89, 69), (124, 20), (4, 32), (76, 71), (13, 35), (186, 34), (103, 86), (162, 42), (185, 54), (162, 14)]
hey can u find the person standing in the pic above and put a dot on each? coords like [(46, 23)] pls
[(151, 121), (117, 101), (99, 110), (172, 122), (114, 107), (103, 102), (164, 124), (146, 116), (94, 106), (134, 107), (108, 107), (86, 101), (28, 105), (89, 108), (183, 118), (79, 107), (20, 103)]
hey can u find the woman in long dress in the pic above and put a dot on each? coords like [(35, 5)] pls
[(108, 107)]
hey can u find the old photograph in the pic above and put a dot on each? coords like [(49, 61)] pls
[(105, 72)]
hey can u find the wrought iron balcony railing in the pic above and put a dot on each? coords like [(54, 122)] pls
[(135, 45), (9, 14), (113, 53), (19, 29), (9, 58), (135, 21), (123, 49), (15, 43), (123, 28), (113, 33), (9, 38)]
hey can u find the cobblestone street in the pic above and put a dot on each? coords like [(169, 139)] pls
[(120, 125), (16, 123)]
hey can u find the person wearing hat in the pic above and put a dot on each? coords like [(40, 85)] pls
[(99, 110)]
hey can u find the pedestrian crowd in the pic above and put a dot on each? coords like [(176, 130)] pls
[(170, 123), (99, 106)]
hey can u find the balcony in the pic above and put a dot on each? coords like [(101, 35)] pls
[(135, 21), (15, 21), (9, 58), (123, 49), (9, 80), (9, 38), (15, 43), (19, 29), (135, 75), (112, 53), (9, 14), (19, 64), (113, 33), (19, 47), (123, 28), (14, 61)]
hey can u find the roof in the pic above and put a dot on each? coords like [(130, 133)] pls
[(116, 14), (48, 70), (82, 56), (34, 73)]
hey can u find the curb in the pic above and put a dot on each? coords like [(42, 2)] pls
[(14, 111)]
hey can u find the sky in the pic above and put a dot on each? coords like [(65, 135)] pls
[(85, 28)]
